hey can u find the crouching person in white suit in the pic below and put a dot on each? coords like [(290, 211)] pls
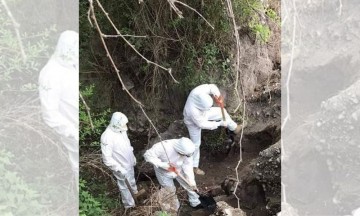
[(117, 154), (179, 152)]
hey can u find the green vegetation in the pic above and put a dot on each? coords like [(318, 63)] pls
[(11, 186), (18, 74), (91, 136), (162, 213), (89, 206)]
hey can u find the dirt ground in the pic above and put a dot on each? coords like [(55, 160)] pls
[(216, 170)]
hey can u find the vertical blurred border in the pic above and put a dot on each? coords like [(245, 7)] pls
[(35, 175), (321, 107)]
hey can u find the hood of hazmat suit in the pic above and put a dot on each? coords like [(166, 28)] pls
[(203, 102), (67, 49), (184, 146), (118, 122)]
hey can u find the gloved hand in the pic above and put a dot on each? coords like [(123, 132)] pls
[(172, 168), (219, 101), (122, 172), (223, 124), (163, 165), (135, 160), (172, 175), (194, 188)]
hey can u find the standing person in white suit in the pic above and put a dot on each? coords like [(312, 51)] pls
[(179, 152), (117, 154), (59, 95), (199, 114)]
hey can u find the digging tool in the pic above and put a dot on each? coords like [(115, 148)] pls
[(131, 191), (220, 101), (207, 202)]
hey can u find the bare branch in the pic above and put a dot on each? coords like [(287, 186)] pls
[(93, 16), (240, 160), (131, 45), (237, 57), (179, 2), (287, 117), (177, 11), (88, 112), (237, 70), (16, 28), (340, 7), (288, 113), (115, 36)]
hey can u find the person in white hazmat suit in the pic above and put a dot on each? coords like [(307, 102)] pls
[(59, 95), (199, 114), (117, 154), (179, 152)]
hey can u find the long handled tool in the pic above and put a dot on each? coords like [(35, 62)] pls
[(173, 169), (131, 191), (220, 101), (207, 202)]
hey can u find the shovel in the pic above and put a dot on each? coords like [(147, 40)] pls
[(131, 191), (220, 101), (207, 202)]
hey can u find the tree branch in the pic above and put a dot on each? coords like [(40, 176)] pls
[(88, 112), (16, 28), (169, 70), (141, 106), (237, 70), (179, 2)]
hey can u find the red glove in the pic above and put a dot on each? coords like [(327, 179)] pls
[(172, 168), (219, 101)]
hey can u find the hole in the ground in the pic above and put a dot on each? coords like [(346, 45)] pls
[(259, 141)]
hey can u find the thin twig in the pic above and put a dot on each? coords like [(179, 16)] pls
[(93, 16), (169, 70), (240, 160), (340, 7), (237, 39), (287, 117), (179, 2), (108, 53), (177, 11), (114, 36), (88, 112), (16, 28), (237, 70)]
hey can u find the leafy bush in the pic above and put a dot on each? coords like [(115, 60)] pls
[(16, 197), (251, 14), (210, 67), (15, 73), (88, 135), (162, 213), (89, 206), (262, 31)]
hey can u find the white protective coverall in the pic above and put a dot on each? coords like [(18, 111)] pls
[(59, 95), (176, 150), (199, 114), (117, 154)]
